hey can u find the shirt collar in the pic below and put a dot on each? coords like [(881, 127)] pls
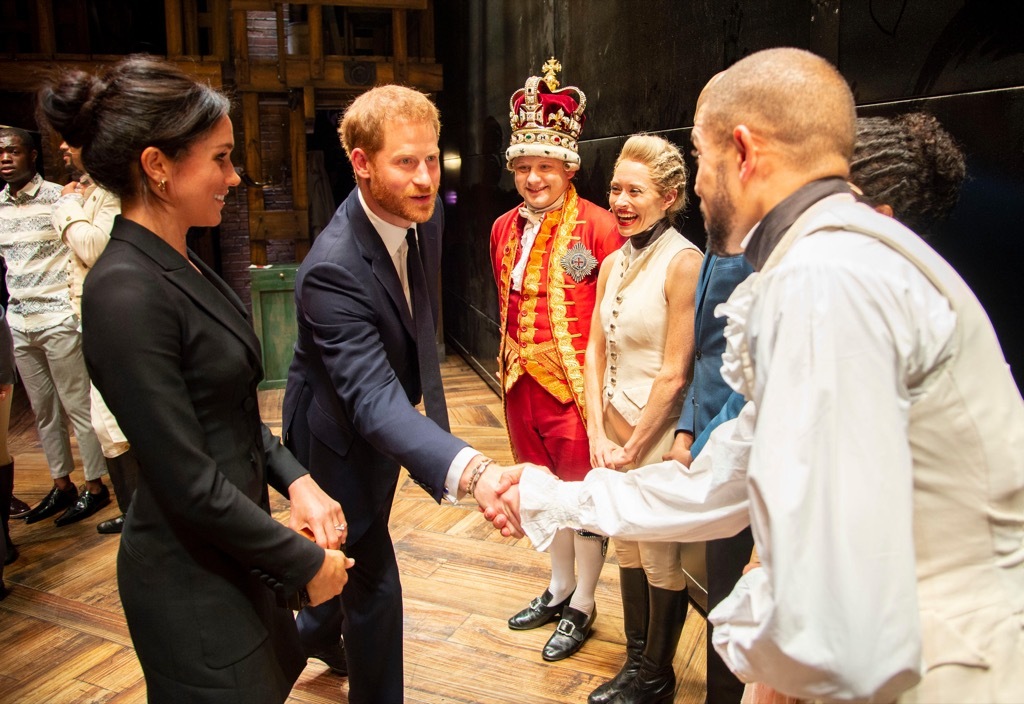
[(392, 235), (762, 239), (29, 191)]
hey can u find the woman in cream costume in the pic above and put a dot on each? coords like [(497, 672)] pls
[(638, 361)]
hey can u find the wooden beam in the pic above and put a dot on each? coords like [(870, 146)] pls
[(190, 27), (47, 32), (309, 107), (220, 29), (240, 39), (26, 75), (297, 120), (315, 15), (400, 45), (262, 78), (268, 5), (275, 225), (427, 49), (254, 168), (282, 47), (172, 20), (297, 147)]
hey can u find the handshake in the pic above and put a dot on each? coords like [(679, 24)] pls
[(496, 490)]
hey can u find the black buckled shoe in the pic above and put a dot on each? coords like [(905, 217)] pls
[(19, 509), (333, 657), (538, 613), (87, 504), (54, 502), (111, 527), (572, 630)]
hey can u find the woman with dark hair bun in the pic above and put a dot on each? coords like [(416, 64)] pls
[(205, 573)]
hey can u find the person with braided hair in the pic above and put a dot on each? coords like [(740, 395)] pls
[(908, 167)]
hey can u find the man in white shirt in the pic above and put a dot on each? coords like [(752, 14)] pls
[(47, 339), (880, 458), (83, 215)]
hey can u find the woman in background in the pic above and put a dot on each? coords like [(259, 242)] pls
[(203, 568)]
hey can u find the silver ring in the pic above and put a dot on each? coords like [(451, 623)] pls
[(341, 527)]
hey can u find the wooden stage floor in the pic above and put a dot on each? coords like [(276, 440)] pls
[(63, 637)]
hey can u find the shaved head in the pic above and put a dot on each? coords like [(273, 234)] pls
[(795, 100)]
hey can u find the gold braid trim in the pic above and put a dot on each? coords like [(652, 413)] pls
[(504, 288), (556, 300), (504, 291)]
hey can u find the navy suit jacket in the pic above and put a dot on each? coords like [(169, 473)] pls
[(349, 410), (710, 401)]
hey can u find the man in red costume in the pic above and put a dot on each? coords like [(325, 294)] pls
[(546, 255)]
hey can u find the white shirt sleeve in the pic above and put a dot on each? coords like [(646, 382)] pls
[(86, 238), (833, 613), (665, 501)]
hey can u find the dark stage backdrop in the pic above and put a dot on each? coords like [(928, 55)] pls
[(642, 65)]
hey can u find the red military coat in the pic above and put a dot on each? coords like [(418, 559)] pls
[(546, 325)]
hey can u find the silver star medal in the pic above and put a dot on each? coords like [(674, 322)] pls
[(578, 262)]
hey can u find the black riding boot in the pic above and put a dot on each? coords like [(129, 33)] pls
[(655, 683), (635, 616)]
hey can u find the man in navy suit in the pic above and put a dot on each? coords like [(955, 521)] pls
[(367, 307)]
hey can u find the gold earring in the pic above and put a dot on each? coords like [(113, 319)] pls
[(162, 185)]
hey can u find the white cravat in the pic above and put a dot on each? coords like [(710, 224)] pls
[(534, 219)]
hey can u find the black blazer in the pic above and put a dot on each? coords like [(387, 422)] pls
[(176, 360), (349, 410)]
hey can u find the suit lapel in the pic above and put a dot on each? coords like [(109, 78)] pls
[(702, 288), (207, 290), (374, 251)]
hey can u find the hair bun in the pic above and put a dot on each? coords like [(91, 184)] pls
[(69, 105)]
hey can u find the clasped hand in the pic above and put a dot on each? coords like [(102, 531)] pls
[(500, 500)]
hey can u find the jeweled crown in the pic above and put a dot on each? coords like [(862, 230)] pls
[(546, 121)]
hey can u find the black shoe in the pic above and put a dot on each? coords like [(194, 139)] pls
[(114, 525), (12, 553), (54, 502), (19, 509), (87, 504), (572, 630), (538, 613), (3, 590), (333, 657)]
